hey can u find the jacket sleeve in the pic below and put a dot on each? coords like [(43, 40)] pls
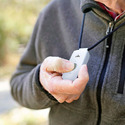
[(25, 86)]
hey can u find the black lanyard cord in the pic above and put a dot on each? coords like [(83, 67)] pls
[(97, 43), (90, 48), (81, 33)]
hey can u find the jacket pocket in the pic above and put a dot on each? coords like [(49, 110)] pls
[(122, 75)]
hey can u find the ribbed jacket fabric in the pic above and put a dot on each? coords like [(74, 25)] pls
[(56, 33)]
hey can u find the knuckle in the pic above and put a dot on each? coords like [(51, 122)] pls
[(46, 59), (60, 100), (45, 62), (76, 98), (69, 101), (56, 63), (58, 60)]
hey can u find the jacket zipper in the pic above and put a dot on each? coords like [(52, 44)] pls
[(101, 79), (122, 75)]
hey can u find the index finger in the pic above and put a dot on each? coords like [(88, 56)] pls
[(57, 64)]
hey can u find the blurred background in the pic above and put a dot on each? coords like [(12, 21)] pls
[(17, 19)]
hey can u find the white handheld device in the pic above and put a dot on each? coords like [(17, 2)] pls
[(78, 57)]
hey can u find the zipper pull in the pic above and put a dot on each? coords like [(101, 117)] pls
[(109, 29)]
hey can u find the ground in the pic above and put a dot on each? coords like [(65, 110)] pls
[(12, 113)]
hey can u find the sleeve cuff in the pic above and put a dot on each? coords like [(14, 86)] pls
[(39, 84)]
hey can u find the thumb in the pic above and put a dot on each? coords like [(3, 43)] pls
[(82, 80), (57, 64), (83, 74)]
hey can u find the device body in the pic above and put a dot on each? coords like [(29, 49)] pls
[(78, 57)]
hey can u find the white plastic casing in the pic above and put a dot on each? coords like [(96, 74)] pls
[(78, 57)]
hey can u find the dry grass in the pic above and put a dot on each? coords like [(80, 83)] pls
[(19, 116), (9, 66)]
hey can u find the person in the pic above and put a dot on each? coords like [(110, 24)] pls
[(97, 96)]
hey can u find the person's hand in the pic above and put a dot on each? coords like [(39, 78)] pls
[(63, 90), (117, 6)]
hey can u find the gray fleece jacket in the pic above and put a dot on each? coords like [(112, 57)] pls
[(56, 33)]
